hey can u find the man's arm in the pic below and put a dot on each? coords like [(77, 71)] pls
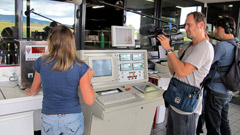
[(182, 69), (170, 68)]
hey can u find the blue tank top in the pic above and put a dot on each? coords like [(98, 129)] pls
[(60, 89)]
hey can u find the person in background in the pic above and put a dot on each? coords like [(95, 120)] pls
[(47, 29), (218, 96), (60, 73), (192, 69)]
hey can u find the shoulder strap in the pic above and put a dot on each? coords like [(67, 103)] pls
[(183, 55), (225, 68), (233, 42)]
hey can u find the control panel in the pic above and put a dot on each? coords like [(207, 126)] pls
[(130, 66)]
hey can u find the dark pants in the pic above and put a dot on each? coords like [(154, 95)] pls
[(217, 122), (201, 119), (178, 124)]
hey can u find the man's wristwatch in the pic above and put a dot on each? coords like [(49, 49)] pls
[(169, 51)]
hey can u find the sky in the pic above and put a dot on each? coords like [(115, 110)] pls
[(59, 11)]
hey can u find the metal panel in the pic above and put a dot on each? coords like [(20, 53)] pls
[(26, 66)]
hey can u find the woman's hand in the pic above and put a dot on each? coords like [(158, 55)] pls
[(28, 92)]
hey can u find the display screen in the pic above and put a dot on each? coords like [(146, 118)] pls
[(102, 68), (125, 57), (145, 88), (126, 67), (137, 57), (124, 36), (38, 49), (137, 66)]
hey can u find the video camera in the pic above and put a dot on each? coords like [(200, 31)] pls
[(175, 37)]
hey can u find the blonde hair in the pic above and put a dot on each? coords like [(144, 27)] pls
[(61, 47)]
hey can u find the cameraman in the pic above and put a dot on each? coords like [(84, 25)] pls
[(194, 66)]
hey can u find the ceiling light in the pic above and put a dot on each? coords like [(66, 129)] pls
[(178, 7), (230, 5), (150, 0), (95, 7)]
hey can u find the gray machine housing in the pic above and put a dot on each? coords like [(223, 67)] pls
[(131, 117)]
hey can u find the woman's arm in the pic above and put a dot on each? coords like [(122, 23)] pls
[(86, 88)]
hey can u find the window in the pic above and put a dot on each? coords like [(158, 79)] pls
[(61, 12), (176, 12), (7, 18), (136, 20)]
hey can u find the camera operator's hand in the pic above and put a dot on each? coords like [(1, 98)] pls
[(164, 42)]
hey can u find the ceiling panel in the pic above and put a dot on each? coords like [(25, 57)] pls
[(215, 1)]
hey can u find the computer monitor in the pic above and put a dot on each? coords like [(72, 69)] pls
[(103, 67), (122, 36)]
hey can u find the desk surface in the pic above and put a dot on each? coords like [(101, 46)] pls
[(16, 100), (11, 90)]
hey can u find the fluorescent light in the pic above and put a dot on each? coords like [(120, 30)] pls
[(178, 7), (150, 0), (230, 5), (94, 7)]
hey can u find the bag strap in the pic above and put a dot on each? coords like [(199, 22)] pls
[(183, 55), (233, 42), (223, 68)]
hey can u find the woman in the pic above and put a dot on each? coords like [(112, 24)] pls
[(60, 73)]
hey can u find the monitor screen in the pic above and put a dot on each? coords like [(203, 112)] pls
[(145, 88), (125, 57), (137, 56), (125, 67), (103, 68), (137, 66), (122, 36)]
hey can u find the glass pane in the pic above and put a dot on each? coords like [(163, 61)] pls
[(99, 19), (7, 25), (176, 12), (61, 12), (135, 20), (216, 11), (7, 18)]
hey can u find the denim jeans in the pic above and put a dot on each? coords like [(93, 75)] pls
[(64, 124), (217, 122), (201, 120)]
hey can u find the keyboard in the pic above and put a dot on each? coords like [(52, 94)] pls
[(115, 98)]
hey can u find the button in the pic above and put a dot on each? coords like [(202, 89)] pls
[(127, 88)]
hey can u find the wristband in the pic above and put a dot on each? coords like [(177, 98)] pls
[(169, 51)]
